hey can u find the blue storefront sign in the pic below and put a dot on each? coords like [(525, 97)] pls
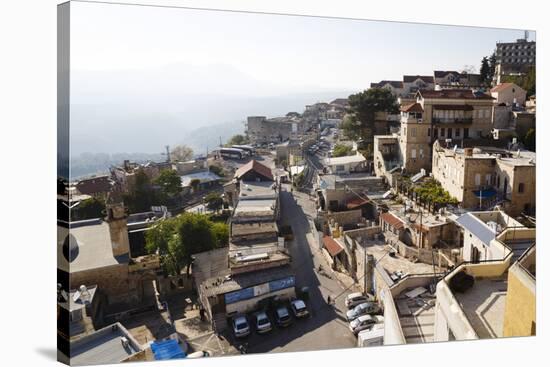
[(251, 292)]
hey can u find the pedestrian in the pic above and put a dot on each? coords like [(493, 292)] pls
[(329, 299)]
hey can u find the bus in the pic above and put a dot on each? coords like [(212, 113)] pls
[(247, 148), (232, 153)]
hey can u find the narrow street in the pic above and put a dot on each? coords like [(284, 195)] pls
[(327, 328)]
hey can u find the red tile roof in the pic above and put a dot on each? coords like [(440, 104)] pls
[(392, 220), (256, 166), (413, 107), (333, 247), (502, 86)]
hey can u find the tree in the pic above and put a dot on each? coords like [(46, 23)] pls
[(221, 234), (363, 107), (530, 140), (214, 201), (169, 182), (299, 179), (484, 71), (181, 153), (88, 209), (238, 139), (492, 67), (216, 170), (341, 150), (141, 196), (195, 184), (177, 239)]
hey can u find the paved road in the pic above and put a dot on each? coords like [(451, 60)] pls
[(327, 327)]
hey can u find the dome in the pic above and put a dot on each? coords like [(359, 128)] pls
[(70, 248)]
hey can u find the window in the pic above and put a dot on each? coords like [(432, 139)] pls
[(450, 133), (435, 132), (413, 131), (421, 153), (442, 131), (521, 188), (457, 132), (477, 179), (466, 132), (487, 179), (413, 153), (429, 132), (487, 113)]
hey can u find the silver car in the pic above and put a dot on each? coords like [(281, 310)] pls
[(365, 322), (299, 308), (263, 325), (240, 326), (365, 308)]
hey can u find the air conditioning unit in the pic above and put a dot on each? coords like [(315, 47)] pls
[(125, 342)]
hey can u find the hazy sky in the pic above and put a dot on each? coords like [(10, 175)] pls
[(290, 52)]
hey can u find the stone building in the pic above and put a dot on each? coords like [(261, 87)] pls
[(261, 130), (481, 178), (97, 252), (509, 94)]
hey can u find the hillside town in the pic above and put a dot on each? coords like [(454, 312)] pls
[(402, 214)]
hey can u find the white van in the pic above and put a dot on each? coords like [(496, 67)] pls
[(372, 337)]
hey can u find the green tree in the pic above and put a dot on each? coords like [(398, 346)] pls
[(214, 201), (88, 209), (492, 67), (237, 139), (195, 184), (484, 70), (141, 196), (177, 239), (221, 234), (299, 179), (169, 182), (530, 140), (363, 108), (216, 170), (341, 150)]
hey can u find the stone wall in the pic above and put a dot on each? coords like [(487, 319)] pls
[(111, 280)]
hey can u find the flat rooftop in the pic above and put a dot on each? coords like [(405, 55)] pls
[(254, 208), (417, 316), (397, 263), (257, 190), (103, 347), (93, 242), (483, 305), (221, 285)]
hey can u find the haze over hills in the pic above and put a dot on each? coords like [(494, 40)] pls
[(138, 112)]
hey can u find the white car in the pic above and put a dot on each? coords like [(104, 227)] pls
[(299, 308), (357, 298), (200, 354), (240, 326), (365, 322), (263, 325)]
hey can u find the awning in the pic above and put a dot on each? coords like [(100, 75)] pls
[(333, 247), (485, 193)]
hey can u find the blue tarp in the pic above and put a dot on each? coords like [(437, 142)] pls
[(168, 349)]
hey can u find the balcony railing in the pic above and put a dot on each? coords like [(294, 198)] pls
[(452, 120)]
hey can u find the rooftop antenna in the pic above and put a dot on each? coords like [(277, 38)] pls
[(526, 34)]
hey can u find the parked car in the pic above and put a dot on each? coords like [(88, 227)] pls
[(365, 308), (263, 325), (365, 322), (299, 308), (200, 354), (357, 298), (282, 316), (240, 326)]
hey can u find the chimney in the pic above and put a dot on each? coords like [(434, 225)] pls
[(118, 225)]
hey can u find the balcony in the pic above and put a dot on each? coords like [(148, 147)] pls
[(452, 120)]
